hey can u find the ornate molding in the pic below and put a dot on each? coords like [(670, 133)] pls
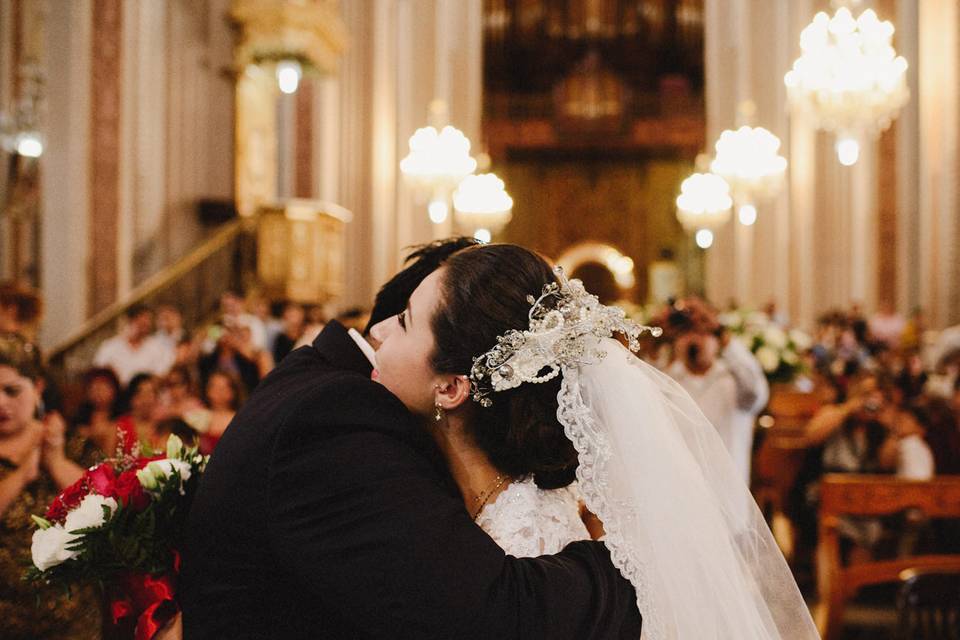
[(309, 30)]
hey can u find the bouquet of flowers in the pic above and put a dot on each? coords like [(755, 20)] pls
[(778, 350), (120, 526)]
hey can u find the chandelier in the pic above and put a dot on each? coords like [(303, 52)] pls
[(703, 205), (748, 160), (438, 160), (483, 205), (848, 78)]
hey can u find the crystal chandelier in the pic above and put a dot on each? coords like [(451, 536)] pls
[(848, 77), (482, 205), (439, 159), (703, 205), (748, 160)]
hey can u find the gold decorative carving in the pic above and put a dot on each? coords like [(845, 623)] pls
[(302, 250), (309, 30)]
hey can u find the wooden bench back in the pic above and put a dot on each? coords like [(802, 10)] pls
[(862, 495)]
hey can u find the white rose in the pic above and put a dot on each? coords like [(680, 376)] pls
[(769, 359), (775, 337), (151, 475), (49, 547), (800, 340), (758, 319), (790, 357), (89, 513)]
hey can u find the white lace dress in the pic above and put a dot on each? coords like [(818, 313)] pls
[(527, 521)]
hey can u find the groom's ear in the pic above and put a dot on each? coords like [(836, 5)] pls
[(453, 391)]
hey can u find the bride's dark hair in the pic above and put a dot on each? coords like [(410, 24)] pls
[(483, 295)]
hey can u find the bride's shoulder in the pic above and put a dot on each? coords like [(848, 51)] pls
[(523, 497)]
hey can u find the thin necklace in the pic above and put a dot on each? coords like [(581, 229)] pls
[(484, 497)]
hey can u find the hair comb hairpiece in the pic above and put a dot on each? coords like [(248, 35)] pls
[(560, 321)]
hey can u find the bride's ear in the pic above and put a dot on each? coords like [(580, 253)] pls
[(452, 392)]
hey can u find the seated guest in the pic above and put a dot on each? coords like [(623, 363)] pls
[(96, 417), (868, 434), (177, 397), (134, 350), (34, 467), (941, 431), (138, 424), (912, 378), (223, 396), (293, 327)]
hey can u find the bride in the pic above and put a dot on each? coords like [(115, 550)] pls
[(545, 420)]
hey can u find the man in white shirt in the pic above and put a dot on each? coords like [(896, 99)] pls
[(721, 375), (134, 350)]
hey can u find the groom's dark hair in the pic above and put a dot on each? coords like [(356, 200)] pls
[(421, 262)]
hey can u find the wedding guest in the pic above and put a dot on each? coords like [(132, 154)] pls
[(138, 424), (887, 325), (236, 353), (259, 307), (177, 397), (21, 308), (134, 350), (234, 312), (293, 328), (912, 378), (96, 417), (170, 330), (177, 427), (223, 396), (720, 374), (316, 321), (32, 466)]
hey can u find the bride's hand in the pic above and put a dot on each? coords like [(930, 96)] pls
[(593, 524)]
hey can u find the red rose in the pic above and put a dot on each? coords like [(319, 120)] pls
[(127, 490), (101, 479), (68, 499)]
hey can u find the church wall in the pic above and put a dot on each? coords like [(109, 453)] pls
[(885, 228)]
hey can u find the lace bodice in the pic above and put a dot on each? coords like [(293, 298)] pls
[(527, 521)]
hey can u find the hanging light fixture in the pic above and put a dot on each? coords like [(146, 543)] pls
[(438, 160), (482, 205), (20, 129), (848, 78), (748, 160), (703, 205), (289, 73)]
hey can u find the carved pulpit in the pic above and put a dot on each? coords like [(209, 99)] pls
[(301, 247)]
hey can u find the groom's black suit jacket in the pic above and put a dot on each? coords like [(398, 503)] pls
[(323, 514)]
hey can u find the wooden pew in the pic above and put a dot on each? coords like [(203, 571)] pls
[(863, 495), (780, 456)]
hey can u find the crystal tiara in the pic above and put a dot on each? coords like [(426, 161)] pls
[(561, 320)]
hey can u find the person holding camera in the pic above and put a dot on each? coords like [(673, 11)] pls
[(721, 375)]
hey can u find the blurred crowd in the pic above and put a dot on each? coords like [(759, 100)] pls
[(157, 376)]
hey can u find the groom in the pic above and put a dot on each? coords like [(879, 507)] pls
[(326, 513)]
